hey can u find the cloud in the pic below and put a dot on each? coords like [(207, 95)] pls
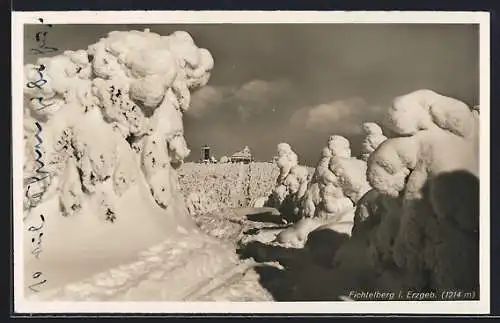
[(258, 96), (342, 116), (205, 99), (257, 90), (252, 98)]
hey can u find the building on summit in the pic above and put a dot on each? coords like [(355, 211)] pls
[(244, 156), (205, 154)]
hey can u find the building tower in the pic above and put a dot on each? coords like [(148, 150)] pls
[(205, 154)]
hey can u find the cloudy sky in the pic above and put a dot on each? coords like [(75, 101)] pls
[(300, 83)]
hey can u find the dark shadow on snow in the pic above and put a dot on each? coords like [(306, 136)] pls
[(283, 283), (267, 217), (308, 274)]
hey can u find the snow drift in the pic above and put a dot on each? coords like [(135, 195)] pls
[(103, 138)]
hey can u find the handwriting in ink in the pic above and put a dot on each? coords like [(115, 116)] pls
[(42, 104), (40, 173), (41, 39), (37, 245), (41, 81), (41, 20), (37, 239), (37, 145), (36, 250), (37, 275), (35, 229), (38, 148), (38, 84)]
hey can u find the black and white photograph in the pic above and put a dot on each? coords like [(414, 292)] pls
[(251, 162)]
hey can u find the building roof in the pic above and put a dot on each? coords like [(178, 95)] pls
[(245, 153)]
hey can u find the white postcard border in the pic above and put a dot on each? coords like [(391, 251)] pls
[(206, 17)]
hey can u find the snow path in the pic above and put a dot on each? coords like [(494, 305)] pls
[(167, 271), (185, 267)]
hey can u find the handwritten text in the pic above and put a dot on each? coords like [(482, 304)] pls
[(41, 39), (36, 249), (39, 83), (40, 173)]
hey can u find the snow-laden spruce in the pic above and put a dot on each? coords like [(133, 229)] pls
[(373, 138), (334, 188), (338, 181), (420, 223), (129, 85), (291, 184), (103, 139)]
